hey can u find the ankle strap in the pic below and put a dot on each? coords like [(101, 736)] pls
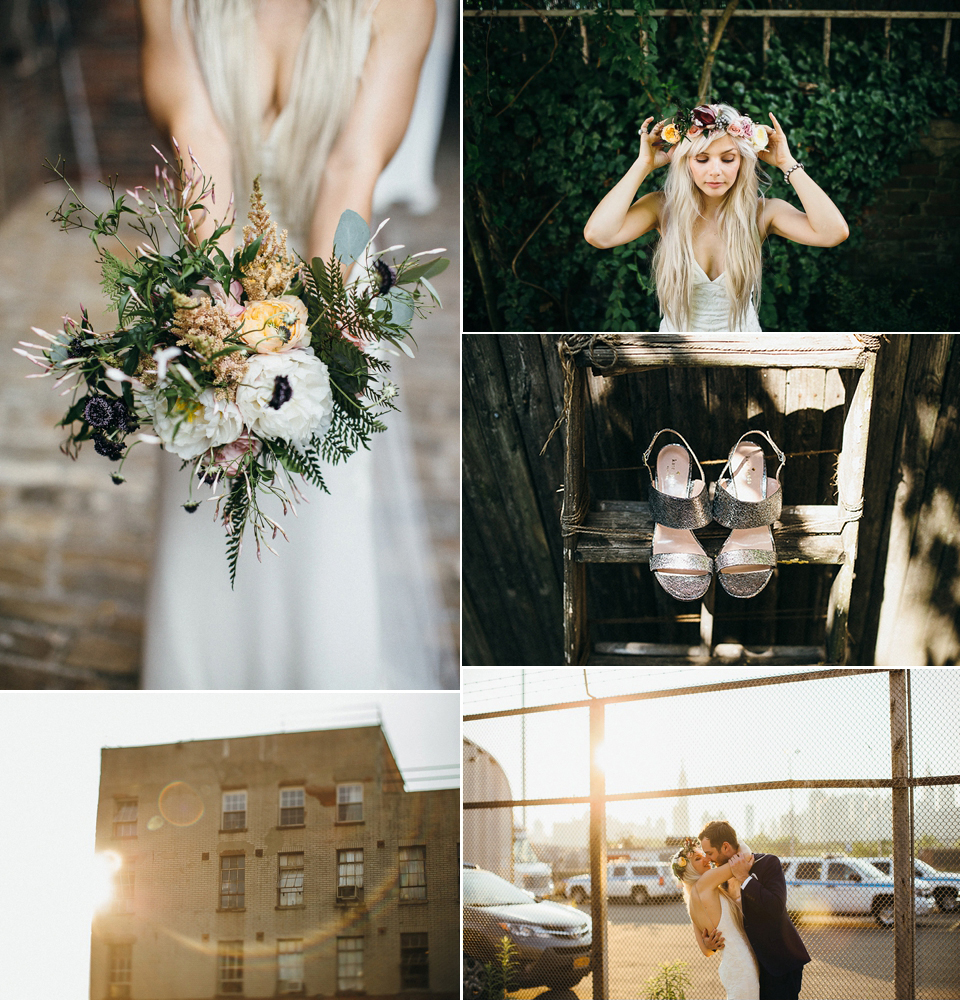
[(669, 430), (773, 444)]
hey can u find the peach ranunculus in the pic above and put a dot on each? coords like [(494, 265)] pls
[(274, 326), (694, 131), (670, 134), (735, 128)]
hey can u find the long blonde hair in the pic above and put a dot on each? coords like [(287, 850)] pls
[(673, 259), (325, 78)]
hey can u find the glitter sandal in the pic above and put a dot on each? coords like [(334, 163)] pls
[(678, 503), (748, 501)]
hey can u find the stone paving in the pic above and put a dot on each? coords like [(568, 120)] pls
[(75, 549)]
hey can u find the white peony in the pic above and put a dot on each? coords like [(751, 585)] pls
[(189, 429), (286, 396)]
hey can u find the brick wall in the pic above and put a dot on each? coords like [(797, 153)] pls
[(174, 923), (912, 232)]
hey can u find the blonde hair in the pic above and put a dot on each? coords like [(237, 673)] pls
[(324, 85), (673, 259)]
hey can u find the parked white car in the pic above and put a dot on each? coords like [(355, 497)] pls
[(636, 880), (848, 886), (945, 885)]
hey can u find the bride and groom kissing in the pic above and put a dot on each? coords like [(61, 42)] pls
[(737, 903)]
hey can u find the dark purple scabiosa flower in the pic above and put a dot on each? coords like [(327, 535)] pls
[(109, 449), (191, 507), (387, 276), (281, 392), (122, 417), (99, 412), (118, 480)]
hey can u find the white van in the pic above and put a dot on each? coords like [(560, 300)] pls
[(843, 885)]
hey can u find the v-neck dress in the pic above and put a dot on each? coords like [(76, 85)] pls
[(709, 308)]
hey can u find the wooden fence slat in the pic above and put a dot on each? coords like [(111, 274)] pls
[(826, 42)]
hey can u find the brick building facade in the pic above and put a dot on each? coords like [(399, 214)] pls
[(291, 864)]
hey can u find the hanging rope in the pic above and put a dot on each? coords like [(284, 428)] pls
[(568, 347)]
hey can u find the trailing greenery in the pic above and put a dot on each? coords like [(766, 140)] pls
[(547, 133)]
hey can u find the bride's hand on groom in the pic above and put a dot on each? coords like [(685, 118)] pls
[(740, 865)]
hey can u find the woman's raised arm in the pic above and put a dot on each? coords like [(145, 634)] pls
[(820, 224), (618, 219)]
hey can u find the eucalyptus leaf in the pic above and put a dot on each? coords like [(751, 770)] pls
[(351, 237)]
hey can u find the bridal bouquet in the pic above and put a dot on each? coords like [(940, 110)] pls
[(253, 368)]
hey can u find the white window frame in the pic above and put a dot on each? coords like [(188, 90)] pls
[(349, 874), (348, 800), (413, 872), (235, 795), (124, 884), (230, 968), (347, 948), (289, 965), (120, 970), (125, 817), (289, 878), (296, 796), (240, 880)]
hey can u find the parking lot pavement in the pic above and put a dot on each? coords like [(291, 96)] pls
[(852, 957)]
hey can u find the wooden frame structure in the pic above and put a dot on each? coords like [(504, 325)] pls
[(622, 531)]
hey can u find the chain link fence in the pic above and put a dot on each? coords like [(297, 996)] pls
[(837, 772)]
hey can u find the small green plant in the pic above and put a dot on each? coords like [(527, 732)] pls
[(669, 983), (501, 972)]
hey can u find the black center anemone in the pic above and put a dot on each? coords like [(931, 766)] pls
[(282, 392)]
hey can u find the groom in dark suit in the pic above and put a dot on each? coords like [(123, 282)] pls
[(780, 953)]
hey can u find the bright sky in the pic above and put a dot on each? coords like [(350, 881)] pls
[(821, 729), (49, 790)]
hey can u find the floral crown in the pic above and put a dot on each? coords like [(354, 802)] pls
[(679, 861), (709, 118)]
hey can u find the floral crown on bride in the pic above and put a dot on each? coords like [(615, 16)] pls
[(679, 861), (709, 118)]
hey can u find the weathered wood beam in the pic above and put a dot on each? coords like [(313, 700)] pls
[(635, 351), (575, 504), (622, 531), (608, 654)]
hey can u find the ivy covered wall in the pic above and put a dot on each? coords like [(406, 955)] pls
[(552, 109)]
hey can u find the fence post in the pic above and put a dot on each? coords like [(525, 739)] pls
[(904, 917), (598, 855), (826, 42)]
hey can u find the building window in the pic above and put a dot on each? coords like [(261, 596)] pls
[(123, 889), (291, 807), (350, 965), (413, 873), (414, 962), (349, 803), (120, 968), (290, 885), (290, 966), (230, 967), (350, 875), (125, 820), (231, 882), (234, 811)]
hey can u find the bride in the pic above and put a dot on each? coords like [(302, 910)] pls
[(712, 897), (710, 216), (313, 96)]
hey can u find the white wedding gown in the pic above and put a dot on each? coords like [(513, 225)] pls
[(738, 967), (348, 602), (709, 308)]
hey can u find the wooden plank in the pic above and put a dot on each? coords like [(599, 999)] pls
[(867, 596), (921, 407), (850, 477), (622, 530), (510, 570), (628, 654), (638, 350), (575, 505)]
